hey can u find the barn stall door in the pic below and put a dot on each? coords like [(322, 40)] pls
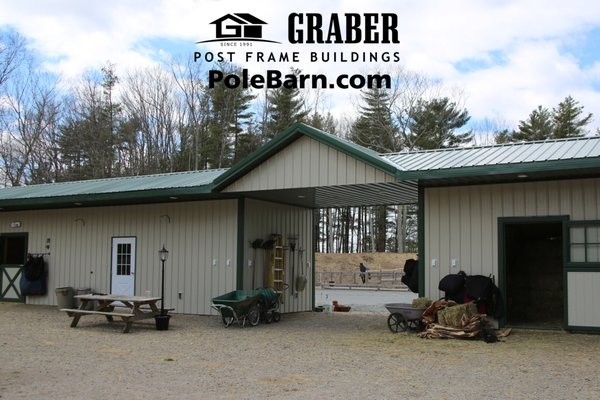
[(13, 251)]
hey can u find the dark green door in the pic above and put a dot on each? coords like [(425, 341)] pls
[(13, 253)]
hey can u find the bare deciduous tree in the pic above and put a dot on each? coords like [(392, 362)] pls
[(193, 112), (150, 102), (13, 54), (29, 120)]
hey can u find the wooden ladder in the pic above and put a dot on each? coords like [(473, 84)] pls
[(278, 266)]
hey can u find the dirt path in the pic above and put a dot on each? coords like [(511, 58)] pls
[(305, 356)]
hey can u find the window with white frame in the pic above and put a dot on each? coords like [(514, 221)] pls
[(584, 242)]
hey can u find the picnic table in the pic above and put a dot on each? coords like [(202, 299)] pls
[(128, 308)]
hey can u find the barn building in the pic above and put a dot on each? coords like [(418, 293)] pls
[(527, 214)]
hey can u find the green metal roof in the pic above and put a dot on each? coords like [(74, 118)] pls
[(512, 158), (551, 159), (145, 188)]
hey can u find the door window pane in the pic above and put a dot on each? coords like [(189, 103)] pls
[(124, 259)]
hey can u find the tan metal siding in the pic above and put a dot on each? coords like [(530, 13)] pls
[(195, 233), (261, 220), (583, 298), (472, 237), (308, 163)]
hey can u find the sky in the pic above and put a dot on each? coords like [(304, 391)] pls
[(504, 57)]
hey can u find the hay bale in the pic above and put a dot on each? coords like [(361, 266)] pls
[(421, 302), (453, 316)]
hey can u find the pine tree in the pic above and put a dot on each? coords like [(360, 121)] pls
[(247, 142), (564, 121), (567, 119), (538, 126), (229, 115), (433, 124), (374, 127), (325, 122), (503, 136), (285, 107)]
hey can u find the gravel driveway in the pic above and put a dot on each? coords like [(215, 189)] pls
[(305, 356)]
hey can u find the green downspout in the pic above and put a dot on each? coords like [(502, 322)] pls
[(421, 238), (314, 250), (240, 244)]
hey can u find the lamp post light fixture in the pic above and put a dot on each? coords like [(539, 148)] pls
[(163, 254)]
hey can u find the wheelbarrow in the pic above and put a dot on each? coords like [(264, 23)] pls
[(239, 306), (404, 316), (269, 305)]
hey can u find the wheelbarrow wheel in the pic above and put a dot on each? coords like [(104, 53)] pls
[(227, 321), (276, 316), (254, 315), (269, 317), (397, 323)]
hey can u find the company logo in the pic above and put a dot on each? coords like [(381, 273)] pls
[(237, 32), (238, 27)]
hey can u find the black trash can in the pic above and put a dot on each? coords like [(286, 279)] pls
[(162, 322)]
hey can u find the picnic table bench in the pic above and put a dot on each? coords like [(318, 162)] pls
[(135, 308)]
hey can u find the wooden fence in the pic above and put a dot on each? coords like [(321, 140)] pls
[(373, 280)]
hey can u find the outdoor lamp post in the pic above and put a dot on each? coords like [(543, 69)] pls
[(163, 254)]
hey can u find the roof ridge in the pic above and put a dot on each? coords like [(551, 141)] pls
[(510, 144)]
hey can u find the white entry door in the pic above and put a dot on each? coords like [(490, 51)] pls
[(123, 266)]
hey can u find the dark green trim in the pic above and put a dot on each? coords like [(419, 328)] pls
[(117, 198), (241, 216), (502, 222), (500, 169), (582, 269), (313, 252), (583, 222), (421, 239), (12, 283), (580, 265), (502, 269), (575, 328), (291, 134)]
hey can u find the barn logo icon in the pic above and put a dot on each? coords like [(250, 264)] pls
[(238, 27)]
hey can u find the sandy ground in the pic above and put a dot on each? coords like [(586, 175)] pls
[(305, 356), (364, 300)]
